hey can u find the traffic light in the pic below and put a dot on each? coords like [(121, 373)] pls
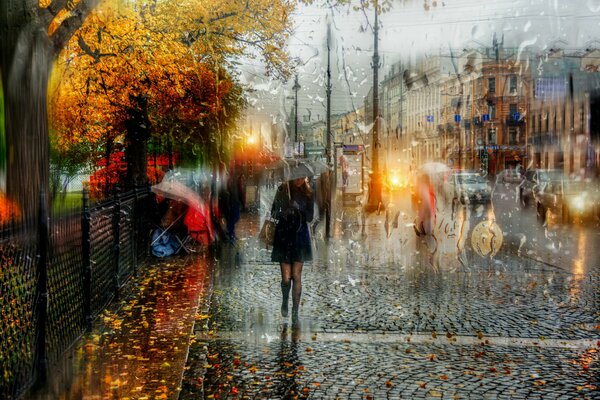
[(483, 158)]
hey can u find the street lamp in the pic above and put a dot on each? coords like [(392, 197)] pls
[(375, 196), (296, 87)]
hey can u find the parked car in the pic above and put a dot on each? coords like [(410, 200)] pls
[(511, 176), (469, 187), (567, 199), (533, 177)]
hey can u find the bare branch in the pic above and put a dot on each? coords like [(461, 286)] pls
[(95, 54)]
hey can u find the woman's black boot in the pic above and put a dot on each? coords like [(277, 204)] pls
[(285, 291)]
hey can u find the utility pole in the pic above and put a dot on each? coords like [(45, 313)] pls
[(328, 92), (375, 201), (331, 184), (296, 88), (472, 122)]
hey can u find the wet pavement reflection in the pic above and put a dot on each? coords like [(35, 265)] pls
[(138, 348), (386, 314)]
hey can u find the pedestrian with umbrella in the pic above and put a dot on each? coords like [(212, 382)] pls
[(293, 209)]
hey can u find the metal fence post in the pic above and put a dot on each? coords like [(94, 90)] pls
[(136, 215), (87, 262), (42, 292), (116, 245)]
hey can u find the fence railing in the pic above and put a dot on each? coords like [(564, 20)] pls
[(57, 274)]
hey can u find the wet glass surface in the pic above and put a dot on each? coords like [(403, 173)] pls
[(385, 106)]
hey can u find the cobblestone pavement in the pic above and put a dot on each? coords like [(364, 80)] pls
[(378, 320)]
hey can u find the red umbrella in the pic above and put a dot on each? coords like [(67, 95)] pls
[(197, 218)]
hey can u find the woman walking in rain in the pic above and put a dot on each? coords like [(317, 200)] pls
[(293, 208)]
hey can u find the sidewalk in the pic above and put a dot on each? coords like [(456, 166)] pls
[(376, 324), (193, 327), (138, 347)]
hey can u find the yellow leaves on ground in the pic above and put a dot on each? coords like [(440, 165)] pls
[(112, 320)]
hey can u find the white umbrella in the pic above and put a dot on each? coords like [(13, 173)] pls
[(318, 166)]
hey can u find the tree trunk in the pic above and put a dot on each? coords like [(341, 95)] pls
[(26, 66), (136, 148), (107, 154), (170, 150), (26, 57)]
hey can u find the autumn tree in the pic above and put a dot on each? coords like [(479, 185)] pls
[(158, 76), (121, 75), (33, 32)]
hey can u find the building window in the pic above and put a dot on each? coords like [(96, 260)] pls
[(491, 136), (513, 84), (491, 85), (492, 111), (512, 136), (512, 110)]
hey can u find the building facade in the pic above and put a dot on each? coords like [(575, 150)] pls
[(491, 109)]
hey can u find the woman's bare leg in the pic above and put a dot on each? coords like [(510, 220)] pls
[(297, 289), (286, 284)]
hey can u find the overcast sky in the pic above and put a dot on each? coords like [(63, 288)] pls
[(407, 31)]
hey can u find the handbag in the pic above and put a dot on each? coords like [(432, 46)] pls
[(267, 232)]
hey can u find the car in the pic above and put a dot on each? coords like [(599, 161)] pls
[(469, 188), (511, 176), (533, 177), (567, 200)]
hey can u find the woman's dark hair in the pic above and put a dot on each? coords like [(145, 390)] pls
[(306, 189)]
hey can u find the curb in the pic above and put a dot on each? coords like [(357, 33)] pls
[(199, 329)]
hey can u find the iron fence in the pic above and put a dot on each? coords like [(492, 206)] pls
[(57, 274)]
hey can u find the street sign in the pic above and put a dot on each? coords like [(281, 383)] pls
[(430, 118), (457, 118), (353, 148), (311, 150), (485, 117), (516, 116)]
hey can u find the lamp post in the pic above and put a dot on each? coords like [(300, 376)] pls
[(375, 200), (332, 182), (296, 87)]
